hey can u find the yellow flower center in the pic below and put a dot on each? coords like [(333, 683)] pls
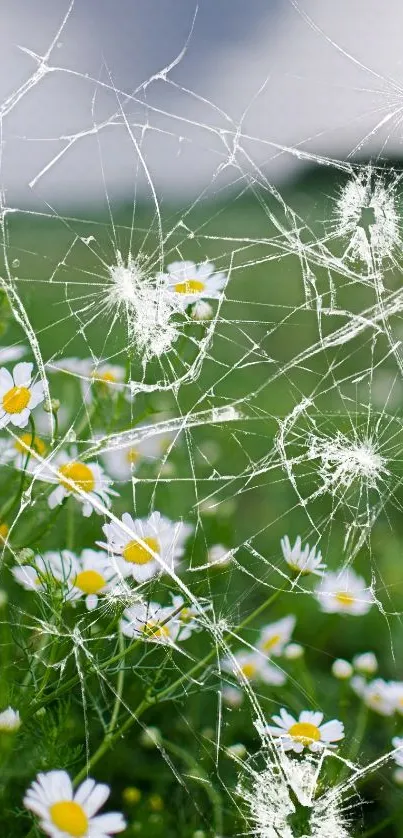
[(25, 443), (4, 530), (69, 817), (89, 581), (79, 474), (153, 629), (190, 286), (304, 732), (136, 553), (186, 615), (132, 455), (248, 670), (107, 377), (344, 598), (269, 644), (16, 399)]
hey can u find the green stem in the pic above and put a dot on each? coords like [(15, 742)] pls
[(152, 699), (119, 687), (49, 666), (356, 739), (13, 501), (68, 685), (71, 518), (199, 776)]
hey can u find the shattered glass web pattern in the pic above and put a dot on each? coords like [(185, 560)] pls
[(299, 385)]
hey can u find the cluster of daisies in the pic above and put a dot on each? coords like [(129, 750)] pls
[(135, 550), (339, 592), (342, 592)]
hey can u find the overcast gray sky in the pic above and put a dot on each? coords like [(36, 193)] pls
[(247, 80)]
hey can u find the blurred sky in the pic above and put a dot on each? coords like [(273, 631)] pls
[(249, 86)]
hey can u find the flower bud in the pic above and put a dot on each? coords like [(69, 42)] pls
[(150, 737), (366, 663), (51, 405), (201, 311), (293, 651), (342, 669)]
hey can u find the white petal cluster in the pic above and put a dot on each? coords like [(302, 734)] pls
[(302, 560)]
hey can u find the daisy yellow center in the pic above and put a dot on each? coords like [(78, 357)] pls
[(136, 553), (107, 377), (25, 443), (269, 644), (16, 399), (344, 598), (190, 286), (132, 455), (185, 615), (89, 581), (248, 670), (70, 818), (304, 732), (152, 629), (3, 530), (79, 474)]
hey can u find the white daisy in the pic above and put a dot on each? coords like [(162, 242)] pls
[(190, 282), (306, 732), (110, 377), (121, 463), (19, 450), (275, 636), (86, 481), (18, 396), (64, 812), (52, 565), (143, 547), (397, 742), (9, 720), (344, 593), (379, 695), (302, 560), (89, 575), (188, 618), (109, 380), (253, 666), (151, 622)]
